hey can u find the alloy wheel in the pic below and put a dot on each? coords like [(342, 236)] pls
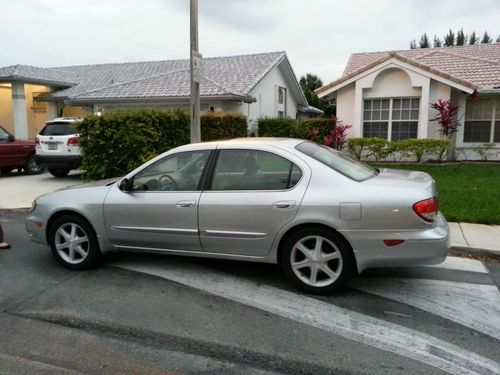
[(72, 243), (316, 261)]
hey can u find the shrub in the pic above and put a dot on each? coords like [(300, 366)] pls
[(381, 148), (222, 125), (305, 127), (119, 141), (277, 127)]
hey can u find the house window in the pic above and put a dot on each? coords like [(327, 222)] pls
[(281, 95), (392, 119), (281, 114), (482, 121)]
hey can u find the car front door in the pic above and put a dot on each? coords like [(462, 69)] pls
[(252, 195), (160, 209)]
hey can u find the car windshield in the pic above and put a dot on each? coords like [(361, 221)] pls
[(58, 128), (338, 161)]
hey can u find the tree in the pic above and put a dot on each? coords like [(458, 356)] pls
[(437, 42), (486, 38), (309, 83), (498, 39), (461, 38), (473, 39), (449, 39), (413, 44), (424, 41)]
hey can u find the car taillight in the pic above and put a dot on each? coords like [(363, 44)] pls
[(427, 209), (73, 141), (37, 141)]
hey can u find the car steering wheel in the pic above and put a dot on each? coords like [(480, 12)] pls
[(167, 183)]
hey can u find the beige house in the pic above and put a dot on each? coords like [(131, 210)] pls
[(257, 85), (388, 95)]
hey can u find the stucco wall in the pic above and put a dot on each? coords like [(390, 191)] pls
[(74, 111), (392, 83), (6, 107), (345, 109)]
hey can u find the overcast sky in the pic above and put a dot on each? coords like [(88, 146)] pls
[(318, 35)]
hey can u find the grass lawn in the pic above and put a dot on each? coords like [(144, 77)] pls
[(467, 192)]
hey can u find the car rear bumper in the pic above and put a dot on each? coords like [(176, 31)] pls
[(425, 247), (53, 161)]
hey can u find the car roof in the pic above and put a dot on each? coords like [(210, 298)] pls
[(68, 120), (287, 143)]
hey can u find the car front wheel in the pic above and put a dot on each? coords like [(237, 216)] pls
[(317, 260), (74, 243)]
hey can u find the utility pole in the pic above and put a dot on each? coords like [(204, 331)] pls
[(195, 67)]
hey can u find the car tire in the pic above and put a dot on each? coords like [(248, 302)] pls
[(317, 260), (59, 172), (74, 243), (32, 167), (6, 170)]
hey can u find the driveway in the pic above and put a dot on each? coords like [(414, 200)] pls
[(19, 190)]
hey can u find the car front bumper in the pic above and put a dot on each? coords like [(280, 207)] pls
[(53, 161), (423, 247), (36, 228)]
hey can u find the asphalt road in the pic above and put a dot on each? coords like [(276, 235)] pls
[(144, 314)]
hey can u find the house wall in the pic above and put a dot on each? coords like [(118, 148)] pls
[(266, 94), (345, 109), (6, 119), (36, 114)]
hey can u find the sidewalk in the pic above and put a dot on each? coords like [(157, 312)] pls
[(19, 191)]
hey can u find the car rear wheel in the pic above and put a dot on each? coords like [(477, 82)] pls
[(74, 243), (59, 172), (317, 260), (31, 166)]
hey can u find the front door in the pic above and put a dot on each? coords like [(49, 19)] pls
[(253, 194), (161, 210)]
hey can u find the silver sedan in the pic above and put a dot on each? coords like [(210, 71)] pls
[(318, 213)]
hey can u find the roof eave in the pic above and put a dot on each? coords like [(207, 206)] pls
[(159, 99), (44, 82)]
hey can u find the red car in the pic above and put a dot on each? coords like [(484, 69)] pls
[(17, 154)]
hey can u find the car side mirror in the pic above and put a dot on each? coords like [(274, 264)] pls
[(125, 185), (11, 138)]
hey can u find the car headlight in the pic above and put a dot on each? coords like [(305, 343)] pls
[(33, 206)]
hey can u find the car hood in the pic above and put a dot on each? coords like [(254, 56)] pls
[(398, 178), (105, 182)]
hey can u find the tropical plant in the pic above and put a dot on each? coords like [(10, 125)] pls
[(446, 116)]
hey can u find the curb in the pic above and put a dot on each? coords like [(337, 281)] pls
[(20, 210), (464, 251)]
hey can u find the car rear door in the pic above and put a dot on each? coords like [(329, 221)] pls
[(252, 195)]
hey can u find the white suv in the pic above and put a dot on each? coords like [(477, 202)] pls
[(57, 146)]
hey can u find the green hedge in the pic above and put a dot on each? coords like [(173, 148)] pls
[(120, 141), (305, 126), (276, 127), (223, 125), (382, 149)]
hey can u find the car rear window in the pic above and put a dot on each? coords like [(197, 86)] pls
[(338, 161), (58, 128)]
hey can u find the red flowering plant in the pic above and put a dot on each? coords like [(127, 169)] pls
[(337, 135), (446, 116)]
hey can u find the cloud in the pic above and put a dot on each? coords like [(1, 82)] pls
[(318, 35)]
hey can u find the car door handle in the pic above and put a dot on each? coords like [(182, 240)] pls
[(185, 204), (284, 204)]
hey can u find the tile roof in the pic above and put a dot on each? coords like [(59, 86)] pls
[(221, 76), (33, 74), (478, 66)]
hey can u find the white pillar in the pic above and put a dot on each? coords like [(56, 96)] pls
[(423, 122), (19, 114)]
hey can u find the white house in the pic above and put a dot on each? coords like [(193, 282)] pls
[(388, 95), (257, 85)]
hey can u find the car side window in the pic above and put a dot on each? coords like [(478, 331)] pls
[(254, 170), (178, 172)]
